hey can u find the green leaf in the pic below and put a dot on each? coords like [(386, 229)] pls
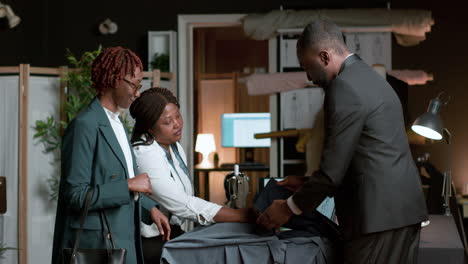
[(40, 133), (160, 61), (50, 149)]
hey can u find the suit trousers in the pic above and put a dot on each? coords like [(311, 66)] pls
[(399, 246)]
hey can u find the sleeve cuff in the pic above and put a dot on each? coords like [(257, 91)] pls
[(204, 211), (292, 205), (209, 215)]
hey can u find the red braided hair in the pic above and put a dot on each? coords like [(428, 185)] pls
[(111, 66)]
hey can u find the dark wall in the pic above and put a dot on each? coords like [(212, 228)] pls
[(38, 39), (48, 27), (445, 54)]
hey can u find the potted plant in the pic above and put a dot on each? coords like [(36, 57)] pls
[(160, 61), (79, 95)]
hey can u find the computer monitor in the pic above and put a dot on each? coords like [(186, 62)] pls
[(238, 130)]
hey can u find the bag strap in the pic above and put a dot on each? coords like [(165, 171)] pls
[(109, 232), (84, 213)]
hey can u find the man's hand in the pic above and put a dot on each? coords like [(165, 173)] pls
[(140, 183), (276, 215), (162, 223), (293, 183)]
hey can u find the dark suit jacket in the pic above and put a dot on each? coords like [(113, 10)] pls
[(92, 157), (366, 163)]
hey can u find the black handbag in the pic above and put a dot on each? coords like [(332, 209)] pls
[(108, 255)]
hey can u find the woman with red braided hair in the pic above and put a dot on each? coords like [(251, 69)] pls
[(97, 160)]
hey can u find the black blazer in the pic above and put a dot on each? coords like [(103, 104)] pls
[(366, 163)]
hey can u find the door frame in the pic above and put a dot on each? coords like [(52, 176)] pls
[(186, 25)]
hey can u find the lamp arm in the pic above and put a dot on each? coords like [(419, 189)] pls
[(448, 98), (447, 136), (447, 186)]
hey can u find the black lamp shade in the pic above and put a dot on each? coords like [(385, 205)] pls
[(429, 124)]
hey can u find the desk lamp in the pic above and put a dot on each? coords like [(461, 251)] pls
[(430, 125), (205, 145)]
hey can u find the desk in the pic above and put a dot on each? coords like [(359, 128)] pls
[(440, 242), (206, 173)]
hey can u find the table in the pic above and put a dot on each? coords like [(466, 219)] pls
[(440, 242), (206, 173)]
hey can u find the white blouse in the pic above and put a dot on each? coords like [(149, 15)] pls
[(172, 189)]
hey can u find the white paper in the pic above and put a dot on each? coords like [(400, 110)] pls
[(373, 48), (300, 107)]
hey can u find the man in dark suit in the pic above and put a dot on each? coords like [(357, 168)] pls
[(96, 154), (366, 163)]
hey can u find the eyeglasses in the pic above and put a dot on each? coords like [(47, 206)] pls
[(136, 87)]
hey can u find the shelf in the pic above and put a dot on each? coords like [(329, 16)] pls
[(293, 161), (284, 133)]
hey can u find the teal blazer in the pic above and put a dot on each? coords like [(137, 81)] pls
[(92, 157)]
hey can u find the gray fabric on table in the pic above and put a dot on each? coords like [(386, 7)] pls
[(233, 243)]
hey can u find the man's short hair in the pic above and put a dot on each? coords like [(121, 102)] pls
[(323, 34)]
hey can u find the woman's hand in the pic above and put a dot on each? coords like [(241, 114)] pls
[(162, 223), (140, 183)]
